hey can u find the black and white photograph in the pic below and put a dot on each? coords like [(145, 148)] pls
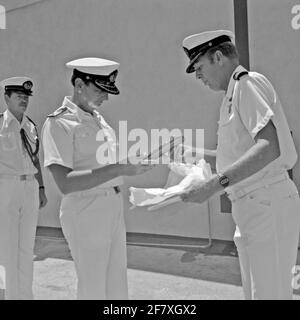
[(149, 152)]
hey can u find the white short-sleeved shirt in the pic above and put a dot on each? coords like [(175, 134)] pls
[(14, 159), (69, 139), (249, 104)]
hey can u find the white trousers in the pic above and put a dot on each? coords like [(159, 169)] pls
[(267, 233), (93, 224), (19, 205)]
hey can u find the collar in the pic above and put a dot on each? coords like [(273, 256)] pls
[(8, 117), (80, 114), (232, 81)]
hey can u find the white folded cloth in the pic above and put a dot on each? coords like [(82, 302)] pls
[(188, 176)]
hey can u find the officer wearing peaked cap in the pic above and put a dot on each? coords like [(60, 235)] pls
[(91, 211), (21, 188), (254, 151)]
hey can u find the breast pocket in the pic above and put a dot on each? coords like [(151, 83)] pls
[(8, 141), (85, 143)]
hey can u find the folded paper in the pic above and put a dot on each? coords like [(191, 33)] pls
[(188, 176)]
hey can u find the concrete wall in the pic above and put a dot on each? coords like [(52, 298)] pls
[(274, 41), (145, 37)]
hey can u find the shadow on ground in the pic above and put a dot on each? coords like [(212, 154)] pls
[(163, 255)]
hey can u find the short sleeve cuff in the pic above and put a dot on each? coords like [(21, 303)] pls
[(262, 123), (59, 162)]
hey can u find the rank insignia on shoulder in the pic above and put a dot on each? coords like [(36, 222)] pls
[(238, 76), (57, 112)]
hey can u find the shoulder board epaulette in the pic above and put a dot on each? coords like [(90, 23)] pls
[(238, 76), (57, 112), (31, 120)]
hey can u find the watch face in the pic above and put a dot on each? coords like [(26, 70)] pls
[(224, 181)]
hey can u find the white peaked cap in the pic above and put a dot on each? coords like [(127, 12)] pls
[(95, 66)]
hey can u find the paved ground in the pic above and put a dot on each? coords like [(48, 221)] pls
[(156, 269)]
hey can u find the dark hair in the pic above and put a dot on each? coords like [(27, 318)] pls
[(8, 93), (228, 49)]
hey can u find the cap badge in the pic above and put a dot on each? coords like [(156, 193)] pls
[(27, 85)]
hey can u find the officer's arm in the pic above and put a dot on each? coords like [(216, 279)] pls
[(71, 181), (38, 175), (265, 150)]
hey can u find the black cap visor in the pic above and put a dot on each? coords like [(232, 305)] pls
[(108, 87), (105, 83), (18, 89)]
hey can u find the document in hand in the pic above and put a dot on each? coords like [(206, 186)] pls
[(191, 176), (165, 148)]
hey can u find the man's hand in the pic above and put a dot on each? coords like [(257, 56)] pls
[(197, 195), (43, 198)]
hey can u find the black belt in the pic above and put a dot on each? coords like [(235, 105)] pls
[(117, 189)]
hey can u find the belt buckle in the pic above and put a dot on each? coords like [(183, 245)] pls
[(23, 177)]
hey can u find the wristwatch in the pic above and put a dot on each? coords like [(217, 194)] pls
[(223, 180)]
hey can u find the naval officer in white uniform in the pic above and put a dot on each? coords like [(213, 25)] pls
[(255, 149), (91, 210), (21, 190)]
